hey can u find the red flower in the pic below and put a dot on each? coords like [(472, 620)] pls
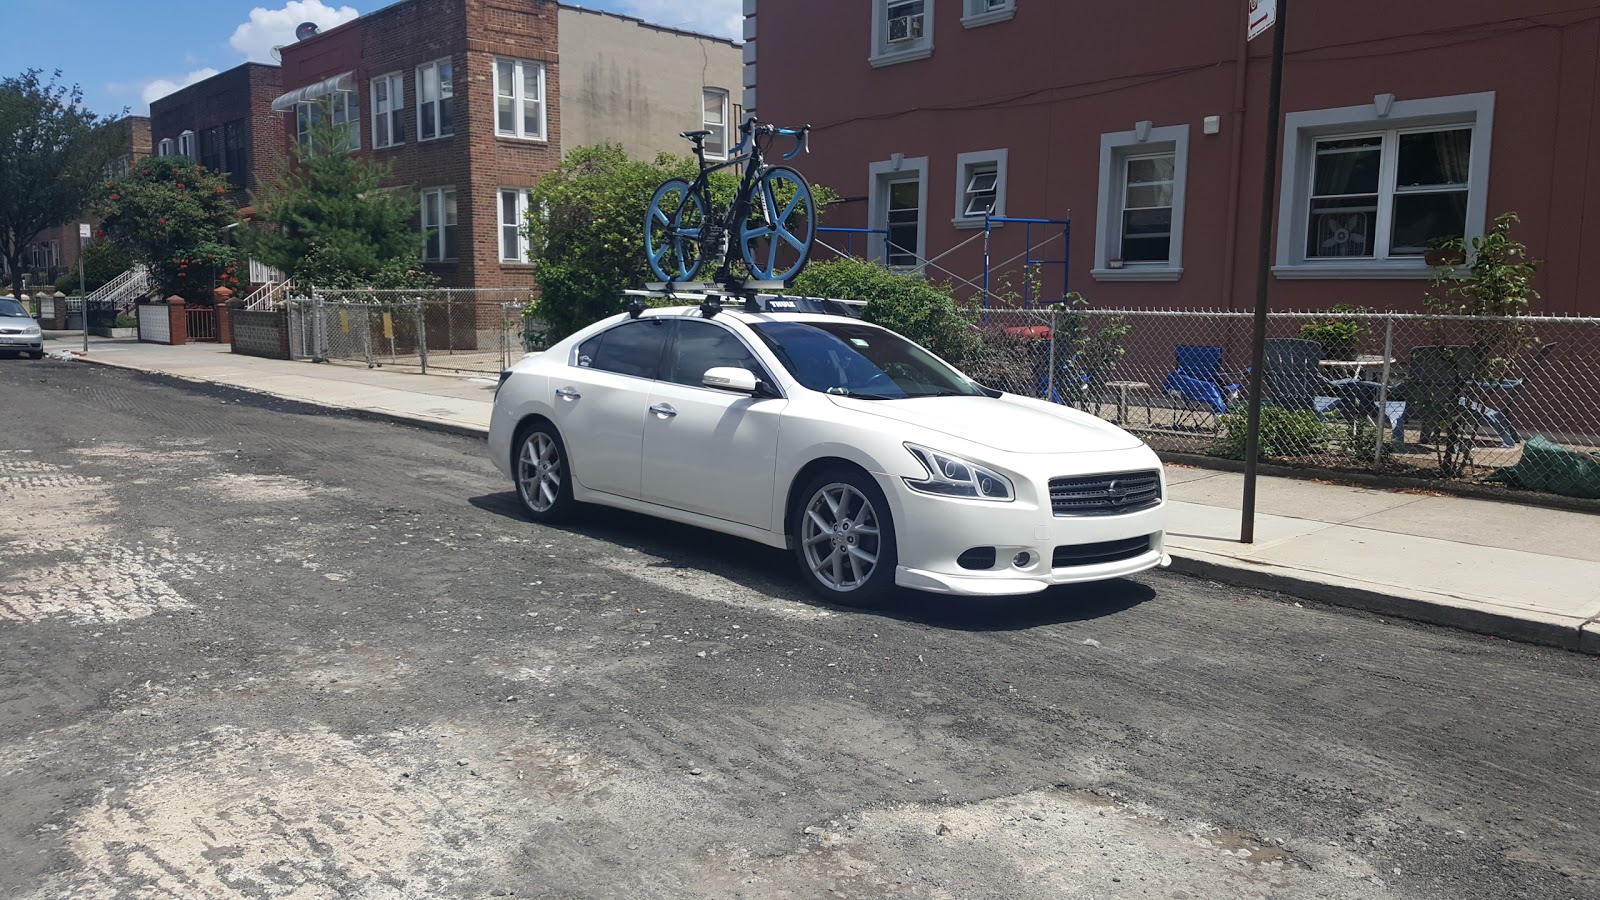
[(116, 197), (100, 234), (221, 191), (144, 171), (161, 221), (180, 185)]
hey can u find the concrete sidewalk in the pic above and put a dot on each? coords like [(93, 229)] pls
[(1498, 568)]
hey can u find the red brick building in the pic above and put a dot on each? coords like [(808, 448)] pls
[(464, 100), (1405, 122), (225, 123)]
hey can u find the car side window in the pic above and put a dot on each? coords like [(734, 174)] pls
[(632, 348), (701, 345)]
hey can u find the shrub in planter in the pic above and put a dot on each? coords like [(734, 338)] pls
[(1337, 335), (125, 322)]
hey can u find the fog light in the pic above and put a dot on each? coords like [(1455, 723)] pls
[(1022, 560)]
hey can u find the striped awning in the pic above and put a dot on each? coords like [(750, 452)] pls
[(287, 103)]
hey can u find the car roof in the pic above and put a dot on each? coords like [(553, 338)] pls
[(747, 318)]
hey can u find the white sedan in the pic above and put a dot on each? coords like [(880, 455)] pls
[(876, 462)]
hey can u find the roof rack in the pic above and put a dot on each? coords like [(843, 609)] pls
[(752, 297)]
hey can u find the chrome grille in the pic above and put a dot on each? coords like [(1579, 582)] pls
[(1105, 495)]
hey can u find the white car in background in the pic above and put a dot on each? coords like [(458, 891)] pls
[(19, 332), (876, 462)]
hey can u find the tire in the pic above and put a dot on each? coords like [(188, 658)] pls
[(546, 493), (777, 247), (675, 208), (37, 354), (844, 538)]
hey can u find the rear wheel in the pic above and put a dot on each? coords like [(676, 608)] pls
[(844, 538), (543, 476), (37, 354), (674, 229)]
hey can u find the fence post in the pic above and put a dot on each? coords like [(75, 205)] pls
[(319, 329), (366, 334), (422, 335), (1050, 381), (1383, 388)]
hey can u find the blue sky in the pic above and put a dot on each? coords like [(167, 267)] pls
[(125, 53)]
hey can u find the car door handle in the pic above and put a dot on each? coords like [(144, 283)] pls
[(662, 409), (569, 393)]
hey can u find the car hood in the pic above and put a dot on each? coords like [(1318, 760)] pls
[(1012, 424)]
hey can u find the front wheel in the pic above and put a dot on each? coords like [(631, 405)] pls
[(844, 538), (543, 475), (674, 231), (775, 239)]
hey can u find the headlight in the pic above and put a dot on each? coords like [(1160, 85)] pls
[(952, 476), (32, 330)]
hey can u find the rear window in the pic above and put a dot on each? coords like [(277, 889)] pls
[(632, 348)]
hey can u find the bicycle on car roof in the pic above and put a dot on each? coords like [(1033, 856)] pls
[(772, 216)]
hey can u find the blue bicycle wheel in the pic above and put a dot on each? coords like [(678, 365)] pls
[(775, 240), (673, 228)]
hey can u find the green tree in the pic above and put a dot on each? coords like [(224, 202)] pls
[(53, 157), (103, 261), (173, 215), (921, 310), (328, 221), (585, 224)]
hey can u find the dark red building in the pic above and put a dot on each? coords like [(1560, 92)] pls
[(225, 123), (1144, 124)]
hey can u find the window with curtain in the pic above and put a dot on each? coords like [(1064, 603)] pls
[(1388, 195)]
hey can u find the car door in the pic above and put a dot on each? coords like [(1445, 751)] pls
[(708, 451), (601, 400)]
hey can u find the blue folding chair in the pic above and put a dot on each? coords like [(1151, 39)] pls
[(1197, 380)]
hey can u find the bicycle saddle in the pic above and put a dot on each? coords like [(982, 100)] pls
[(693, 135)]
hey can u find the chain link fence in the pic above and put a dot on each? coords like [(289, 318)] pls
[(1512, 400), (479, 331)]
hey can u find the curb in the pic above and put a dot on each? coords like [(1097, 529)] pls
[(1497, 625), (357, 412), (1580, 639)]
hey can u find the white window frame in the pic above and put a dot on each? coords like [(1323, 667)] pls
[(165, 147), (977, 13), (434, 199), (519, 99), (1115, 150), (725, 128), (438, 102), (186, 144), (393, 106), (340, 105), (887, 53), (880, 175), (1385, 114), (967, 164), (519, 253)]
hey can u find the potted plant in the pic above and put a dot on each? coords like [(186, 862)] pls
[(1337, 335)]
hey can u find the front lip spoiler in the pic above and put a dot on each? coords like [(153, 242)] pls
[(999, 585)]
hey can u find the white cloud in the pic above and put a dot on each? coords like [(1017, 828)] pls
[(270, 28), (155, 90), (724, 18)]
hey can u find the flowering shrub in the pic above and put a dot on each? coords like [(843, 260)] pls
[(173, 215)]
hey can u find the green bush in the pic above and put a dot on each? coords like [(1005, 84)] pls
[(125, 322), (1284, 432), (923, 311)]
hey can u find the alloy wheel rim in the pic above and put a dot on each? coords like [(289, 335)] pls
[(539, 472), (840, 535)]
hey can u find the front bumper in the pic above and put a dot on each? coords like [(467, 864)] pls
[(32, 343), (932, 533)]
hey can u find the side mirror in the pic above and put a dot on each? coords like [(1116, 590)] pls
[(728, 378)]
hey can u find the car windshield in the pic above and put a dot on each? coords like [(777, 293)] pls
[(852, 359), (12, 309)]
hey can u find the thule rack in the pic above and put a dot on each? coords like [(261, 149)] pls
[(751, 297)]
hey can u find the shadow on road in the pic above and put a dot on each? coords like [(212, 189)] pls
[(770, 572)]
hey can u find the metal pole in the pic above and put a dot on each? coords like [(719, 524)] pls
[(1066, 260), (1383, 387), (83, 292), (1050, 390), (1258, 344), (422, 337), (987, 231)]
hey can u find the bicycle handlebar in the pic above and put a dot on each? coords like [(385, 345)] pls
[(802, 135)]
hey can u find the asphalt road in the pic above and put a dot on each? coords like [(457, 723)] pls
[(250, 649)]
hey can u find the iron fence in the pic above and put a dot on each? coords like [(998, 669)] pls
[(1515, 400), (442, 329)]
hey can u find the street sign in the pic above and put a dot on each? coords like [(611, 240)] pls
[(84, 231), (1263, 13)]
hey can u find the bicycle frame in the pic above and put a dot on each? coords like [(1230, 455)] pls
[(748, 153)]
